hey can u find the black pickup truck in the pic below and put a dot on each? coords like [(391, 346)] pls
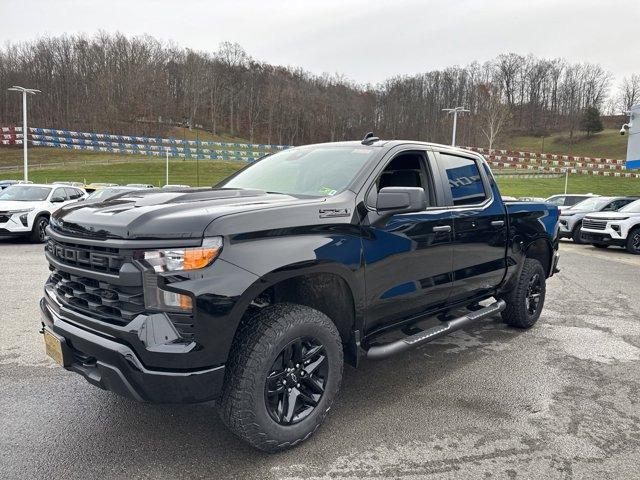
[(255, 292)]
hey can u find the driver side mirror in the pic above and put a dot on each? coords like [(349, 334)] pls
[(401, 200), (57, 200)]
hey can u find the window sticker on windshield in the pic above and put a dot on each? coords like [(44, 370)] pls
[(327, 191)]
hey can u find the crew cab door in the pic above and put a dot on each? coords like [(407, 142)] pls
[(408, 257), (479, 224)]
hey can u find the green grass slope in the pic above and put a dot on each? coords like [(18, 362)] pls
[(207, 172), (606, 144)]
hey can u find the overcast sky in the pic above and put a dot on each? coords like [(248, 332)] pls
[(366, 40)]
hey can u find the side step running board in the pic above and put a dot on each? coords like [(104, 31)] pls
[(378, 352)]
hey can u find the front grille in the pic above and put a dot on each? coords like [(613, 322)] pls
[(110, 303), (96, 258), (594, 224), (96, 297)]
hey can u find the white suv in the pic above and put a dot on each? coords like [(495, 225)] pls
[(25, 209), (620, 228)]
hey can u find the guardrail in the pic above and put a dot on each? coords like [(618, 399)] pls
[(138, 145)]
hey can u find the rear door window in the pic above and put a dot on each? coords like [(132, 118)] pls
[(73, 193), (572, 200), (465, 181), (60, 192)]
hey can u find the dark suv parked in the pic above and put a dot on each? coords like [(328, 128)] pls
[(256, 291)]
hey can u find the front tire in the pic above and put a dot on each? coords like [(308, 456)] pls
[(283, 373), (576, 235), (38, 231), (633, 241), (525, 301)]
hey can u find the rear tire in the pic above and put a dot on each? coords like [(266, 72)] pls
[(600, 245), (285, 353), (526, 299), (633, 241), (576, 235), (38, 234)]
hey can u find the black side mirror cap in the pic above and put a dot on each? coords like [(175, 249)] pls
[(401, 200), (57, 200)]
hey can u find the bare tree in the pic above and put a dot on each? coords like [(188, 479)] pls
[(139, 85), (629, 92), (492, 112)]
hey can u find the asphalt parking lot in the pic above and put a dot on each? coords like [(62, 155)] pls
[(557, 401)]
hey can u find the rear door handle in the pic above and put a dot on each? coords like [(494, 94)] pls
[(442, 228), (497, 223)]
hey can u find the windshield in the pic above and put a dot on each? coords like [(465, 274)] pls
[(315, 171), (25, 194), (633, 207), (105, 193), (591, 204)]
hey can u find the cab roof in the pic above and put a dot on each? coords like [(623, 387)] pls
[(387, 144)]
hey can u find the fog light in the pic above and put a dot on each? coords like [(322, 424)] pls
[(23, 219), (176, 300), (156, 298), (615, 228)]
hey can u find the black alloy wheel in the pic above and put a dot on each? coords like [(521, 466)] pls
[(38, 232), (297, 380), (633, 241), (42, 227), (534, 291)]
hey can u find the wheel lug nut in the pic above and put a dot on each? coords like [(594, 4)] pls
[(297, 365), (297, 385)]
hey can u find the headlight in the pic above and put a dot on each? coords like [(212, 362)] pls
[(183, 259), (175, 260), (23, 210)]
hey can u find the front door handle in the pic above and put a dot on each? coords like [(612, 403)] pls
[(442, 228), (497, 223)]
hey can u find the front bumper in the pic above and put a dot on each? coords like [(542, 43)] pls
[(603, 238), (564, 230), (114, 366), (13, 228)]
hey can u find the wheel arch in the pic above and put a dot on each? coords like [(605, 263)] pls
[(330, 288), (540, 249)]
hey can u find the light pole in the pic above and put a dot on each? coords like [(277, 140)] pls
[(25, 132), (166, 182), (455, 112)]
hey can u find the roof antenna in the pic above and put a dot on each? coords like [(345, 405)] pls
[(369, 139)]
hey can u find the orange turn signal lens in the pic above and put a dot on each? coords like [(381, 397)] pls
[(195, 258), (185, 302)]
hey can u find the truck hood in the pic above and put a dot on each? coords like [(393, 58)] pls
[(163, 215), (570, 212), (8, 205)]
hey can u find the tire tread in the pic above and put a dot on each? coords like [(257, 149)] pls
[(514, 314)]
